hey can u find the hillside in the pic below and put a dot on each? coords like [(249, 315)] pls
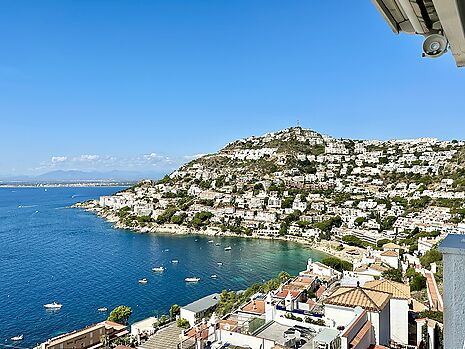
[(297, 182)]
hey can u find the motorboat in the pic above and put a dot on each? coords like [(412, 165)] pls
[(103, 309), (159, 269), (229, 248), (219, 263), (210, 241), (214, 276), (17, 338), (174, 261), (143, 281), (53, 305), (192, 279), (218, 244)]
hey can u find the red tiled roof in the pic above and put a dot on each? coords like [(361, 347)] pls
[(283, 294), (360, 335), (320, 291)]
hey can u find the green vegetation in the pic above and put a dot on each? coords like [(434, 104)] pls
[(166, 215), (201, 219), (293, 317), (162, 320), (327, 225), (178, 218), (231, 300), (318, 322), (175, 310), (183, 323), (393, 275), (432, 256), (417, 281), (120, 314), (284, 276), (433, 315), (337, 264), (352, 240)]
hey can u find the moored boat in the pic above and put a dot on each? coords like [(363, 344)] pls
[(229, 248), (174, 261), (53, 305), (214, 276), (17, 338), (143, 281), (103, 309), (159, 269), (192, 279)]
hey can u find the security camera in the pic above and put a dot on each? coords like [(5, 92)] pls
[(435, 45)]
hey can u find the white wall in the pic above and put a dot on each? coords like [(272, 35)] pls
[(399, 320), (454, 300), (342, 316), (239, 339), (188, 315), (382, 325)]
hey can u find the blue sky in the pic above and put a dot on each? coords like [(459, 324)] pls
[(146, 85)]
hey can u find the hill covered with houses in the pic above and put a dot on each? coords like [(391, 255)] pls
[(299, 183)]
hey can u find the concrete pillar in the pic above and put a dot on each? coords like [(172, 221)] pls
[(453, 249)]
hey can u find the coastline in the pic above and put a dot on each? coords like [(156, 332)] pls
[(326, 247)]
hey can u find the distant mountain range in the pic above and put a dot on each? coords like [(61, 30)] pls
[(76, 175)]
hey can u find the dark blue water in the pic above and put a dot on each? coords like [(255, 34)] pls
[(52, 253)]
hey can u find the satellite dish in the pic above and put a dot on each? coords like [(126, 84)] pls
[(435, 45)]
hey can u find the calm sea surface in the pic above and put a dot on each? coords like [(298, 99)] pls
[(52, 253)]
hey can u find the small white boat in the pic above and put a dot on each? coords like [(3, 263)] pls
[(159, 269), (210, 241), (218, 244), (166, 250), (17, 338), (53, 305), (192, 279), (229, 248), (103, 309), (174, 261), (214, 276), (143, 281), (219, 263)]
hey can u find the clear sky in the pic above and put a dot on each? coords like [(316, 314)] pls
[(142, 85)]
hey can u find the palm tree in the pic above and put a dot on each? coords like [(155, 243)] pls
[(105, 340), (284, 276)]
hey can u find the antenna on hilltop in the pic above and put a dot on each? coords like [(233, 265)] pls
[(298, 123)]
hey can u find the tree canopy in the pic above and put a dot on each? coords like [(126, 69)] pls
[(120, 314)]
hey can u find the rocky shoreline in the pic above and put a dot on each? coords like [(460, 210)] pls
[(326, 247)]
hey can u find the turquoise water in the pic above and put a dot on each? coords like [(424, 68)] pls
[(53, 253)]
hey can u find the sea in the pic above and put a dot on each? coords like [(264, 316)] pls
[(51, 252)]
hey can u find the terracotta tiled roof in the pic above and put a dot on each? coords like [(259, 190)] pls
[(397, 289), (320, 291), (390, 253), (257, 306), (391, 245), (360, 335), (352, 297), (378, 267), (283, 293), (373, 346)]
